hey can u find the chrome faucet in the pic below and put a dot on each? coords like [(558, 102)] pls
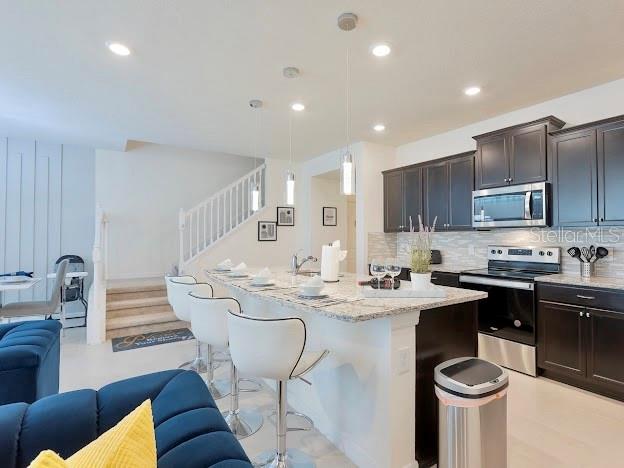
[(295, 266)]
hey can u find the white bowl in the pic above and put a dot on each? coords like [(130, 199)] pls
[(311, 290)]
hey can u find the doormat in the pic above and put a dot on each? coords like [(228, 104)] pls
[(144, 340)]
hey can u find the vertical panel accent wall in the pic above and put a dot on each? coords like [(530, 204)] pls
[(46, 193)]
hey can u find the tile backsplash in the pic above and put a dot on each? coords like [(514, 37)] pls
[(468, 249)]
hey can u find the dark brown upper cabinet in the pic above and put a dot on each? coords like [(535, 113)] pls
[(610, 147), (573, 177), (586, 170), (412, 196), (514, 155), (441, 188), (448, 186), (394, 219)]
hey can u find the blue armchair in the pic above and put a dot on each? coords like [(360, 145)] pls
[(29, 360), (190, 430)]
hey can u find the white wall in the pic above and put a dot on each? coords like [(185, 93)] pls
[(325, 191), (47, 209), (141, 192), (591, 104), (243, 245)]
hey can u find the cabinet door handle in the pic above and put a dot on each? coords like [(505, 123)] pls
[(510, 179), (580, 314), (601, 220), (587, 314), (589, 298), (595, 220)]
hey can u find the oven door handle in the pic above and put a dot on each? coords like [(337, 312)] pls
[(527, 205), (496, 282)]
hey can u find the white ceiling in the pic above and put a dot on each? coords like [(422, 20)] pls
[(196, 64)]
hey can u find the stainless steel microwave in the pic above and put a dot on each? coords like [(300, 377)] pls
[(511, 206)]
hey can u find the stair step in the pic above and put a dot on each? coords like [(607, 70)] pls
[(136, 285), (129, 331), (125, 321), (138, 311), (136, 303)]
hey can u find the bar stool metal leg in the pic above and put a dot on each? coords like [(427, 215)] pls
[(218, 388), (283, 457), (198, 364), (242, 423)]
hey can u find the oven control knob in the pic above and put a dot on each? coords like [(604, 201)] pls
[(499, 252), (549, 254), (542, 253), (493, 251)]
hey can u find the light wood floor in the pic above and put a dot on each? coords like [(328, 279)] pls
[(550, 425)]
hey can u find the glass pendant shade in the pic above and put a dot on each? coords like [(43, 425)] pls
[(290, 188), (255, 198), (347, 175)]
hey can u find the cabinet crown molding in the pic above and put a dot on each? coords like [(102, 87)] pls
[(551, 120)]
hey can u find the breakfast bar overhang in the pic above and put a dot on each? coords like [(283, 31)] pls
[(373, 395)]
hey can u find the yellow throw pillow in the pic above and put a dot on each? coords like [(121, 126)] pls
[(131, 444)]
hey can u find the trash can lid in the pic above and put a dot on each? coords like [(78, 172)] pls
[(470, 377)]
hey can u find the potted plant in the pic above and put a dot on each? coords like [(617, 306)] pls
[(420, 275)]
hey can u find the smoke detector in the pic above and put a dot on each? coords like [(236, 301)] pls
[(347, 21), (290, 72), (255, 103)]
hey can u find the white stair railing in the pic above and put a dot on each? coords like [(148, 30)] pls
[(96, 319), (207, 223)]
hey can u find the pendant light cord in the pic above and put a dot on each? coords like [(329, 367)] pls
[(348, 100), (290, 139)]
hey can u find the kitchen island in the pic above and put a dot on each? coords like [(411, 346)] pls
[(373, 395)]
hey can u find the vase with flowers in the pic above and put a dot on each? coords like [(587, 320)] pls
[(420, 275)]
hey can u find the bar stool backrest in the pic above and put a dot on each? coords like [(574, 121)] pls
[(178, 288), (59, 281), (266, 347), (209, 318)]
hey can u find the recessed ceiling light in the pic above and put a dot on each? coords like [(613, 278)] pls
[(379, 127), (381, 50), (118, 48), (297, 106), (472, 91)]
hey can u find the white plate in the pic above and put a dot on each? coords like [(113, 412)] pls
[(14, 279), (268, 283), (222, 270), (315, 296)]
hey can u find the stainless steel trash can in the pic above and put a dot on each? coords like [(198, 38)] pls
[(472, 402)]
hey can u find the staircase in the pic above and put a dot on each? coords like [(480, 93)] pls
[(138, 306), (207, 223)]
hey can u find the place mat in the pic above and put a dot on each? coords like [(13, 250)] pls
[(144, 340), (408, 292), (326, 301)]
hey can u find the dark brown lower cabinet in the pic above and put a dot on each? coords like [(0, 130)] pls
[(442, 334), (605, 342), (582, 346), (561, 341)]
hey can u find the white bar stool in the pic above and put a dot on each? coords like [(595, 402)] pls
[(178, 288), (209, 323), (274, 349), (241, 422)]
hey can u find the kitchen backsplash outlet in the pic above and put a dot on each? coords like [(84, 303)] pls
[(464, 250)]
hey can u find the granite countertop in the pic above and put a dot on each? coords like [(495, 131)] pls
[(607, 282), (344, 301)]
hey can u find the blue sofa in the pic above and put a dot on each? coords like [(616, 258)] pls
[(190, 431), (29, 360)]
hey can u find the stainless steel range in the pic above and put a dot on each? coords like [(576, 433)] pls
[(507, 317)]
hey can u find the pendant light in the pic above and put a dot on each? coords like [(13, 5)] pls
[(347, 22), (290, 175), (255, 189)]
